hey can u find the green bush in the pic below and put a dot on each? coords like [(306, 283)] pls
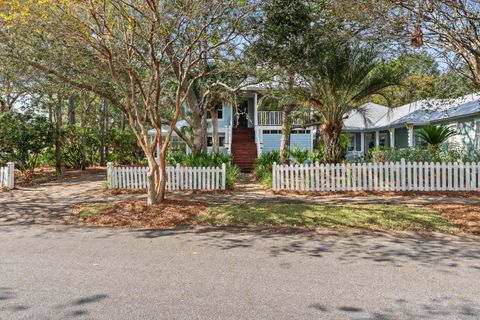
[(123, 148), (206, 160), (424, 154), (23, 137), (262, 169)]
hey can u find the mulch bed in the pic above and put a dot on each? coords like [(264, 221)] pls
[(466, 217), (47, 174), (137, 215), (440, 194)]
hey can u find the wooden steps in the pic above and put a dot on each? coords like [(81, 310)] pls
[(244, 149)]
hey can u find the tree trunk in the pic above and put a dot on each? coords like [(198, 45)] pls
[(286, 135), (58, 135), (331, 138), (157, 180), (215, 147), (71, 110), (199, 134), (102, 133)]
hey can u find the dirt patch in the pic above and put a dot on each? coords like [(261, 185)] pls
[(467, 217), (48, 174), (136, 214)]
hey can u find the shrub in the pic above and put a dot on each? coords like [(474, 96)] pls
[(299, 155), (206, 160), (123, 148), (23, 137), (263, 166), (423, 154)]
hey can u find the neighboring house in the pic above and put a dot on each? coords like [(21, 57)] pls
[(246, 132), (374, 125)]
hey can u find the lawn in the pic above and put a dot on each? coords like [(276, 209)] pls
[(372, 216)]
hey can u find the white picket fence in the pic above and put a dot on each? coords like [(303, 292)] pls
[(7, 177), (392, 176), (178, 178)]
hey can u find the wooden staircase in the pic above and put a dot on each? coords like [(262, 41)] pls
[(244, 149)]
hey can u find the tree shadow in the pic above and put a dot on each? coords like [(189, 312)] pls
[(71, 309)]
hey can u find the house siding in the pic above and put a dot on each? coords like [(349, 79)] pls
[(401, 138), (465, 131), (271, 142), (227, 117)]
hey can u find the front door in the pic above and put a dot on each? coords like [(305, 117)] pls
[(241, 115)]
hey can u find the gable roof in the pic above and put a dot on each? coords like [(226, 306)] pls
[(418, 112)]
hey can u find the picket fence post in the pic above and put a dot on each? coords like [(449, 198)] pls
[(10, 175), (110, 175), (274, 176), (224, 175)]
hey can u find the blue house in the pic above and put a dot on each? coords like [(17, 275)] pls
[(246, 132), (373, 125)]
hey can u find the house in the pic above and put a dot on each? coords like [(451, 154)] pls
[(247, 132), (374, 125)]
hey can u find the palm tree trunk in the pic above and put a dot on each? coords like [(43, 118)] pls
[(286, 135), (331, 138)]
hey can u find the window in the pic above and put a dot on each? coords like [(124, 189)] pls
[(352, 142), (453, 139), (219, 113), (221, 140), (300, 131), (383, 139), (272, 131)]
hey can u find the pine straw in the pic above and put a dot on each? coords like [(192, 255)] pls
[(439, 194), (466, 217), (136, 214)]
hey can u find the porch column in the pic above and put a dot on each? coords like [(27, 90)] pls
[(392, 137), (411, 142), (362, 142), (255, 102), (377, 138)]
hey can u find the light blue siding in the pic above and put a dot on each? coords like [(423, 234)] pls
[(227, 116), (271, 142)]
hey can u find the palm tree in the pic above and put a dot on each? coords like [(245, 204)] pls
[(435, 135), (339, 80)]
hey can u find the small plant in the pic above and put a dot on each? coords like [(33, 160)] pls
[(299, 155), (435, 135), (264, 164)]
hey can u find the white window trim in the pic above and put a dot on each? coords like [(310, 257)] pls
[(223, 113), (354, 135)]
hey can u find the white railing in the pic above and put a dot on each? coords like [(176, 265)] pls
[(7, 176), (178, 178), (274, 118), (392, 176), (259, 140)]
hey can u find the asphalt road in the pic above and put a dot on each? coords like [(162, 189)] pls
[(74, 273)]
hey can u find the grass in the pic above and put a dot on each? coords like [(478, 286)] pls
[(372, 216), (91, 210)]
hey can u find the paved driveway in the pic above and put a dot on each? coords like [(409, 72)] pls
[(73, 273), (49, 202)]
